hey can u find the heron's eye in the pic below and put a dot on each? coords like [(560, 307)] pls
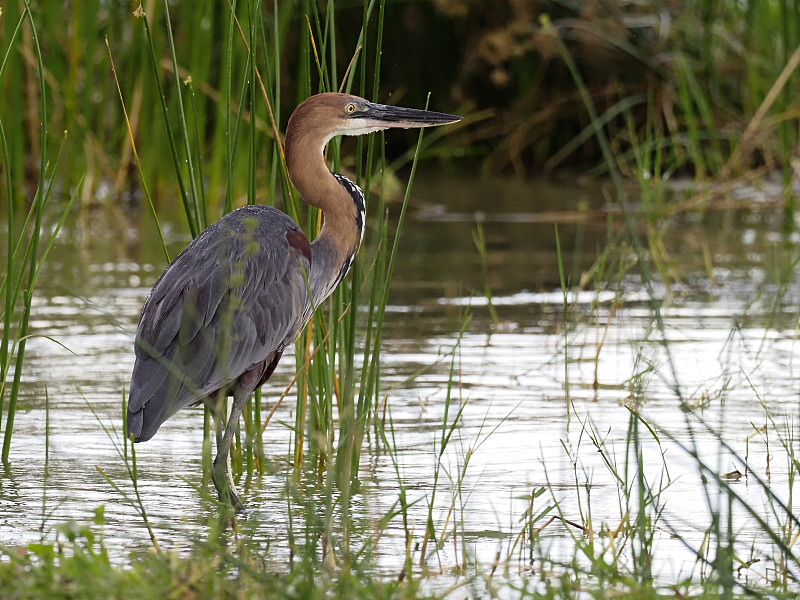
[(350, 108)]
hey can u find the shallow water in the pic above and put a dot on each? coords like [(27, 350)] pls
[(535, 384)]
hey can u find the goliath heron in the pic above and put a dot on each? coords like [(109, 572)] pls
[(218, 319)]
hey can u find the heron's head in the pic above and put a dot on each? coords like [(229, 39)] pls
[(327, 115)]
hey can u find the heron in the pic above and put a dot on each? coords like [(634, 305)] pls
[(219, 317)]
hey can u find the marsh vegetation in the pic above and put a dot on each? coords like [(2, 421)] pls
[(524, 389)]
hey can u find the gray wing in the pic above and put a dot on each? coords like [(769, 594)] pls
[(231, 299)]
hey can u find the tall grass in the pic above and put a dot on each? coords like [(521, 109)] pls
[(334, 409), (715, 89), (642, 508), (25, 258), (338, 391)]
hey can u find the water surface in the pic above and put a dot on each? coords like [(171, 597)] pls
[(717, 363)]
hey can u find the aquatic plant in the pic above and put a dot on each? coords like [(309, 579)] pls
[(707, 93), (24, 258), (561, 545)]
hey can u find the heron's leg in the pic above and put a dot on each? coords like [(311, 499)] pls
[(220, 472), (219, 416), (228, 410)]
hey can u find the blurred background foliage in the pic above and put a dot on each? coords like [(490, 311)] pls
[(702, 88)]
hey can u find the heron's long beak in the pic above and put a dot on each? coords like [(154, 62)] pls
[(381, 115)]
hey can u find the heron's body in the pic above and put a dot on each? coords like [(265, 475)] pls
[(227, 292), (218, 319)]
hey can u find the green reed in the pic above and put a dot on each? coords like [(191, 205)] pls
[(334, 409), (25, 259), (190, 203), (642, 507), (718, 109), (332, 422)]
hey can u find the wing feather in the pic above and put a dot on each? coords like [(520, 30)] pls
[(224, 305)]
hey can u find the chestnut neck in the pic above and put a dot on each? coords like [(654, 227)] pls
[(337, 243)]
